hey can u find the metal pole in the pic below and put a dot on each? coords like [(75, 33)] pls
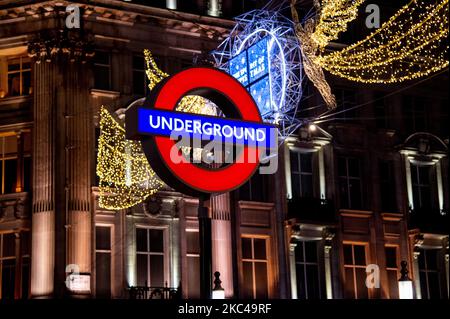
[(204, 227)]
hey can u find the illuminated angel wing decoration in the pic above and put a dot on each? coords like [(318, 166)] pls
[(126, 178), (309, 52)]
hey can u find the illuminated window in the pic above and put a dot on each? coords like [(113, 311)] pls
[(255, 267), (15, 151), (350, 185), (19, 76), (102, 70), (355, 271), (429, 269), (193, 263), (301, 174), (420, 177), (8, 265), (150, 255), (391, 253), (387, 186), (307, 270), (103, 261)]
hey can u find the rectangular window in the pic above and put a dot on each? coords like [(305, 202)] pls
[(307, 270), (102, 70), (255, 189), (19, 76), (420, 177), (387, 186), (391, 253), (301, 174), (140, 82), (25, 247), (430, 284), (350, 184), (7, 265), (11, 177), (380, 111), (103, 261), (193, 263), (415, 114), (150, 257), (355, 271), (255, 267), (346, 101)]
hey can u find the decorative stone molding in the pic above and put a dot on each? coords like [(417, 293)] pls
[(14, 206), (50, 44)]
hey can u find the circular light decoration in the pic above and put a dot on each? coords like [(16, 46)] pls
[(263, 53)]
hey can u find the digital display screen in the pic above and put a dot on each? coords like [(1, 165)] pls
[(238, 68), (258, 63), (251, 69)]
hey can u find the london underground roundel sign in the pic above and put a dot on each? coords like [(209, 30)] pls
[(156, 121)]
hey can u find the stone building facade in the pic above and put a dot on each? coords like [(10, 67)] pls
[(368, 186)]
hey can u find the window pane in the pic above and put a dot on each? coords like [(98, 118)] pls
[(343, 192), (295, 183), (102, 77), (103, 275), (259, 248), (306, 162), (261, 280), (246, 248), (138, 82), (101, 57), (141, 239), (25, 277), (433, 285), (355, 193), (192, 242), (14, 84), (27, 174), (431, 257), (157, 270), (312, 273), (348, 258), (102, 238), (342, 166), (25, 243), (156, 240), (307, 186), (311, 251), (299, 256), (10, 175), (193, 265), (360, 255), (301, 284), (9, 245), (142, 268), (294, 161), (353, 167), (26, 82), (14, 65), (424, 175), (248, 280), (391, 257), (393, 284), (349, 284), (8, 273), (138, 62), (361, 283)]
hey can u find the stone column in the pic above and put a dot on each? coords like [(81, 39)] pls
[(43, 201), (293, 270), (221, 241)]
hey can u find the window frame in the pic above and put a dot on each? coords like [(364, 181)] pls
[(110, 251), (253, 260), (305, 263), (102, 65), (20, 72), (300, 173), (347, 179), (353, 266)]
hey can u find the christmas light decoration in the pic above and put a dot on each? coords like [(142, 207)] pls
[(126, 178), (334, 15), (309, 53), (411, 44)]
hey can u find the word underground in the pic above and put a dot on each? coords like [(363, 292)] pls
[(168, 123)]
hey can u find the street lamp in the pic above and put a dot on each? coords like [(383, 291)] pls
[(218, 292), (405, 285)]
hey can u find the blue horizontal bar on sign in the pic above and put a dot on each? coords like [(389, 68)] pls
[(202, 127)]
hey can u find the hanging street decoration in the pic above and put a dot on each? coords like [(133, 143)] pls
[(263, 54)]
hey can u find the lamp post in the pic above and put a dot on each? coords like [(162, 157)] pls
[(405, 285), (218, 292)]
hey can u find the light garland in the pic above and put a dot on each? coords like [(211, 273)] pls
[(411, 44), (125, 176), (334, 15)]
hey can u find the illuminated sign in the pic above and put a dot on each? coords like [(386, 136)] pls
[(156, 122), (251, 68)]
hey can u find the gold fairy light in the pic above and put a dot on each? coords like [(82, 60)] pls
[(411, 44), (125, 176)]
